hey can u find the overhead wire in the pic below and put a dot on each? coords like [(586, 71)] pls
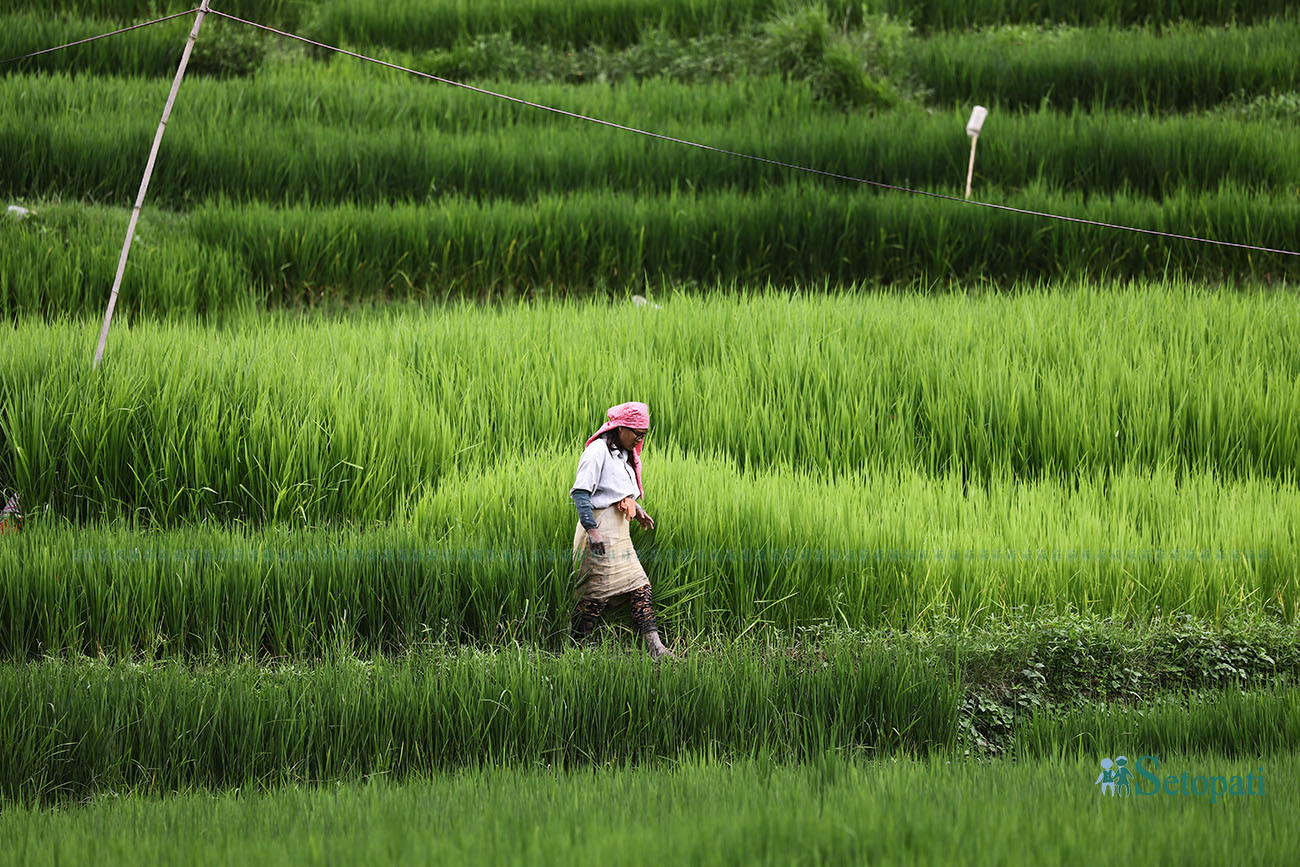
[(100, 36)]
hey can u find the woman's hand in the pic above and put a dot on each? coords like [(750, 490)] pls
[(596, 541), (646, 522)]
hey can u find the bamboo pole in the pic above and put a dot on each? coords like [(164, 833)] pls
[(144, 181), (970, 170)]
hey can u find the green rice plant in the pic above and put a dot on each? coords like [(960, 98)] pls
[(81, 728), (62, 260), (151, 51), (942, 14), (757, 811), (409, 24), (405, 24), (225, 49), (223, 256), (1177, 68), (1171, 68), (373, 98), (283, 13), (481, 558), (572, 244), (344, 419), (89, 139), (1231, 722)]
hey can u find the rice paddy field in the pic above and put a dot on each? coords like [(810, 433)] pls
[(959, 510)]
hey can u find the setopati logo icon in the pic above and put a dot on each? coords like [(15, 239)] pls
[(1120, 778), (1114, 775)]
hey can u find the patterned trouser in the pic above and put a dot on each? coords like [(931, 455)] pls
[(11, 518), (643, 615)]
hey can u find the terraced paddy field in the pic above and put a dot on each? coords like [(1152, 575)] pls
[(748, 813), (954, 506)]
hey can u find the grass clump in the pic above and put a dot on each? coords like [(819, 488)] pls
[(850, 68), (1279, 107)]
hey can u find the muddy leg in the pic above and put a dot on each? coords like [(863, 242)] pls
[(643, 615)]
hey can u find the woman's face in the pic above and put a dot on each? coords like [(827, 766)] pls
[(629, 437)]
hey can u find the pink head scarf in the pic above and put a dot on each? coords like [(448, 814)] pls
[(634, 415)]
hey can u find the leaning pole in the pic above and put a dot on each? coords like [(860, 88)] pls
[(144, 181)]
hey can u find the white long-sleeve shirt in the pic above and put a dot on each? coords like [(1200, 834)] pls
[(607, 476)]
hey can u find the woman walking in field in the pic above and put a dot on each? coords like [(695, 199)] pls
[(605, 494)]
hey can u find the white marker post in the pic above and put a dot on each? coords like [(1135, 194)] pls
[(973, 130), (144, 182)]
